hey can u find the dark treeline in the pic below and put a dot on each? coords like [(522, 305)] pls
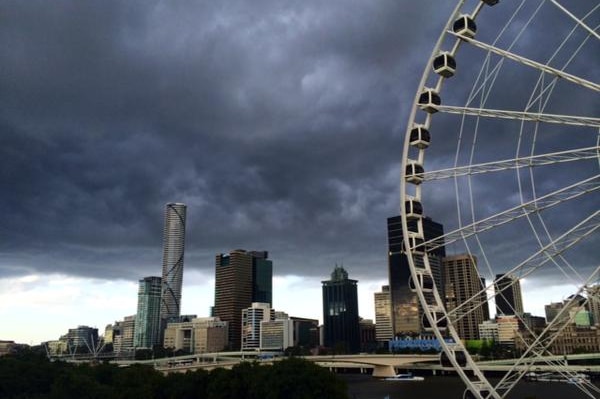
[(33, 376)]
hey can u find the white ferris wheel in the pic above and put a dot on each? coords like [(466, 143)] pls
[(505, 124)]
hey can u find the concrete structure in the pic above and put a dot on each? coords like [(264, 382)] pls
[(463, 286), (276, 335), (252, 317), (383, 315), (509, 300), (367, 332), (147, 319), (340, 312), (593, 295), (7, 347), (57, 347), (306, 332), (508, 329), (572, 340), (240, 278), (198, 335), (406, 309), (489, 330), (122, 334), (82, 337), (173, 252), (552, 310)]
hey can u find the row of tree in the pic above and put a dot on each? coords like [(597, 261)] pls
[(29, 375)]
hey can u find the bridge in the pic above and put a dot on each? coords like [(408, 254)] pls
[(379, 365)]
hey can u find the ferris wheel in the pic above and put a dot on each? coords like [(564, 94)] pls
[(502, 149)]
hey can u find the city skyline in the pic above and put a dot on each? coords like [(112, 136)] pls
[(280, 126)]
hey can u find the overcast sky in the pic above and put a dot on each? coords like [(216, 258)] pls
[(280, 125)]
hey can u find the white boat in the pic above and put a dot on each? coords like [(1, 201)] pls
[(405, 377), (578, 378)]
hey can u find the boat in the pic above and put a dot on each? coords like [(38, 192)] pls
[(578, 378), (405, 377)]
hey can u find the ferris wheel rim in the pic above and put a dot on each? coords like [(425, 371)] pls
[(482, 383)]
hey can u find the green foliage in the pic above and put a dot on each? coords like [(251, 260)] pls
[(34, 377)]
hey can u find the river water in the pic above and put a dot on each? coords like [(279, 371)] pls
[(363, 386)]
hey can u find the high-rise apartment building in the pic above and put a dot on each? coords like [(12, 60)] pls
[(340, 312), (240, 278), (147, 318), (406, 309), (463, 295), (172, 269), (508, 295), (383, 315)]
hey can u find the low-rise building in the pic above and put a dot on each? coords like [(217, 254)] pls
[(276, 335), (488, 330), (198, 335), (508, 328)]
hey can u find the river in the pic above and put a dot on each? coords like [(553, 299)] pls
[(363, 386)]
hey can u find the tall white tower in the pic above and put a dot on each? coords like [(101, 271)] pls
[(172, 270)]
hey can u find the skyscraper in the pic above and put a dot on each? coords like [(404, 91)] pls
[(172, 270), (383, 315), (406, 309), (463, 291), (147, 319), (508, 295), (340, 312), (241, 278), (262, 277)]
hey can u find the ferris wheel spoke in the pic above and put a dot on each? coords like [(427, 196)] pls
[(537, 345), (522, 116), (526, 61), (506, 164), (549, 200), (577, 20), (536, 261)]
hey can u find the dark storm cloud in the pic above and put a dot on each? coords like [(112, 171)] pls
[(279, 125)]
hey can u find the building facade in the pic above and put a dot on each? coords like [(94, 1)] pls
[(593, 295), (306, 332), (173, 252), (123, 332), (83, 337), (463, 295), (488, 330), (252, 317), (508, 329), (276, 335), (509, 300), (262, 277), (147, 318), (406, 309), (240, 278), (198, 335), (383, 315), (340, 312)]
